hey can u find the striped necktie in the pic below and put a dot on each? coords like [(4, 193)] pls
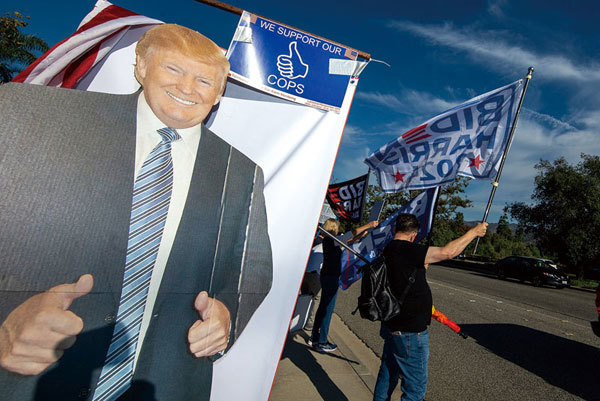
[(149, 207)]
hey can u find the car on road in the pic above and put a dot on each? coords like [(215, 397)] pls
[(535, 270), (592, 273), (596, 325)]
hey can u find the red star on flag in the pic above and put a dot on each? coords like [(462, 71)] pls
[(398, 176), (476, 162)]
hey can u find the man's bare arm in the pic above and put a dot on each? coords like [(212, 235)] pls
[(454, 248), (358, 232)]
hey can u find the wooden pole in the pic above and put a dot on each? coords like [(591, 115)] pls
[(239, 11)]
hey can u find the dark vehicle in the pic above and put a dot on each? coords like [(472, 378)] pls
[(537, 271), (596, 325), (592, 273)]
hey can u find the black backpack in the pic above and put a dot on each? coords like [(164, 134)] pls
[(376, 300)]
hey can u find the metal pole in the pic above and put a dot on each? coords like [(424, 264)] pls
[(364, 197), (239, 11), (437, 198), (333, 237), (510, 137)]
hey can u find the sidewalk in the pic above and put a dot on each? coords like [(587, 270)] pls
[(346, 374)]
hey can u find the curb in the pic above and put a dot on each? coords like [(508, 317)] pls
[(352, 347)]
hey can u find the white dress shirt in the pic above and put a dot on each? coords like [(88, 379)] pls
[(183, 153)]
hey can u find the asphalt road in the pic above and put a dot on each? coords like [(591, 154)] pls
[(525, 343)]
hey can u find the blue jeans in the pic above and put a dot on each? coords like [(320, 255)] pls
[(404, 355), (329, 287)]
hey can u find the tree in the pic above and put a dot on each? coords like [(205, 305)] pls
[(565, 215), (448, 224), (503, 229), (17, 49)]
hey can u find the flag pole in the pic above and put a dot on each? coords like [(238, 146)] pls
[(236, 10), (364, 197), (437, 198), (341, 243), (510, 137)]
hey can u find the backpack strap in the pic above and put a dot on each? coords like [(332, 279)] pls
[(411, 281)]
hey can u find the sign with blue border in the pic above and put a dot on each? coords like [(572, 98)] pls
[(288, 63)]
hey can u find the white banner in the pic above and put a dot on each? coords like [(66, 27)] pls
[(296, 147)]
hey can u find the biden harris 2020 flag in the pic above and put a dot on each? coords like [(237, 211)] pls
[(421, 206), (347, 198), (467, 140)]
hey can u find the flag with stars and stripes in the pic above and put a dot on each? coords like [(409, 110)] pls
[(84, 56), (467, 140)]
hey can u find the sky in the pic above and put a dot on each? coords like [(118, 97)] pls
[(440, 54)]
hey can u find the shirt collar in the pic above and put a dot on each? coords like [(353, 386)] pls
[(149, 124)]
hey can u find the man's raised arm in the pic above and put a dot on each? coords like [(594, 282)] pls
[(455, 247)]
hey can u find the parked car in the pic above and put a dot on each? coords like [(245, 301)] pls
[(598, 301), (535, 270), (596, 325), (592, 273)]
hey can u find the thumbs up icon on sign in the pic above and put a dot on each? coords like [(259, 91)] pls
[(291, 65)]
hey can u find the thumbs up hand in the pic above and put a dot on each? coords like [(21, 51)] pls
[(210, 334), (291, 65), (37, 332)]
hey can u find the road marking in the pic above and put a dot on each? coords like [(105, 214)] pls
[(496, 301)]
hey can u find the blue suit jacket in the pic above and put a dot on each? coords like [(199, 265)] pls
[(66, 174)]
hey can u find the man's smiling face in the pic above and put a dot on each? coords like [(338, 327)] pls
[(180, 90)]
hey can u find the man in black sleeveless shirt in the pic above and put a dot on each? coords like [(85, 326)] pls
[(406, 348)]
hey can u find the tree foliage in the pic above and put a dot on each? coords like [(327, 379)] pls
[(565, 214), (17, 50), (504, 242)]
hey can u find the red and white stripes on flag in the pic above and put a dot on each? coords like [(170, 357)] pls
[(66, 63)]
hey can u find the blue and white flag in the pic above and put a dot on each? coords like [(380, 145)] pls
[(467, 140), (290, 63), (421, 206)]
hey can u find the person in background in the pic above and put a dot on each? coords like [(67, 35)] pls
[(406, 347), (330, 276)]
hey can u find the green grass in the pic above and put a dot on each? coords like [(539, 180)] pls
[(591, 284)]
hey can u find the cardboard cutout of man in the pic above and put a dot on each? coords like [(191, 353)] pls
[(67, 167)]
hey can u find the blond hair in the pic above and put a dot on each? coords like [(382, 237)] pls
[(185, 41), (332, 226)]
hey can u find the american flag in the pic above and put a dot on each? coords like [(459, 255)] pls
[(351, 54), (67, 62)]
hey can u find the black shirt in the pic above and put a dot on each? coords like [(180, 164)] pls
[(332, 258), (401, 257)]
